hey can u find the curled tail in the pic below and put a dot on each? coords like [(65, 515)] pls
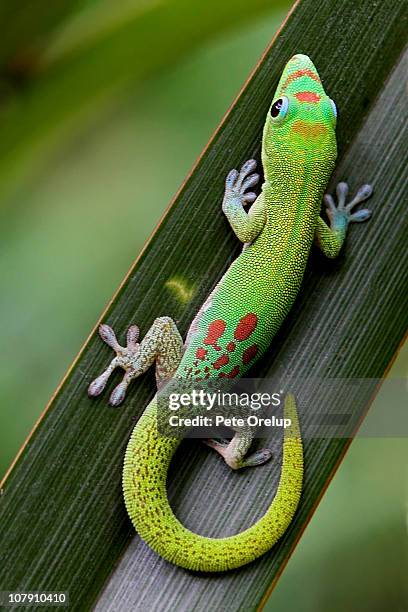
[(147, 460)]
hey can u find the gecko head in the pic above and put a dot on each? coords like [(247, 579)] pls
[(300, 127)]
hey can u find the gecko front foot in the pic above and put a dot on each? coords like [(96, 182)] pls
[(236, 185), (341, 215)]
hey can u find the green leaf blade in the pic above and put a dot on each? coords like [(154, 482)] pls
[(63, 525)]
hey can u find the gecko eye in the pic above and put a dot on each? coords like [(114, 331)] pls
[(279, 108), (334, 108)]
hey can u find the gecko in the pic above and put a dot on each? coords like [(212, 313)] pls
[(239, 319)]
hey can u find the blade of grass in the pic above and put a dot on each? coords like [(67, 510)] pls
[(338, 328), (63, 525)]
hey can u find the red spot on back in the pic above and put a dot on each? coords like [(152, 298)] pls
[(234, 372), (250, 353), (221, 361), (307, 96), (231, 346), (246, 326), (214, 333), (201, 353)]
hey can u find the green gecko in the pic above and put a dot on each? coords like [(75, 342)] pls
[(239, 319)]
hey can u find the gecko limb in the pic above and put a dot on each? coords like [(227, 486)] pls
[(234, 452), (246, 226), (331, 239), (162, 344)]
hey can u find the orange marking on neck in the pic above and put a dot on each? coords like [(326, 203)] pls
[(299, 73), (309, 130), (307, 96)]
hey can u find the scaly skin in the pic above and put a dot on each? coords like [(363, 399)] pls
[(240, 318)]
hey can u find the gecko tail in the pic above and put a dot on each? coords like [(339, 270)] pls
[(147, 460)]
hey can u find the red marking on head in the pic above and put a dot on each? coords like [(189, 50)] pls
[(246, 326), (308, 96), (234, 372), (201, 353), (231, 346), (250, 353), (221, 361), (214, 333), (206, 369), (299, 73)]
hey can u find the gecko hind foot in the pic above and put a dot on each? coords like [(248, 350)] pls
[(109, 337), (162, 345), (234, 453), (259, 457)]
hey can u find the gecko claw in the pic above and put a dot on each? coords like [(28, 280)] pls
[(248, 198), (97, 386), (118, 394), (231, 178), (342, 190), (108, 336), (361, 215), (250, 181)]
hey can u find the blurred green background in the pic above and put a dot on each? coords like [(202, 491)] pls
[(102, 116)]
